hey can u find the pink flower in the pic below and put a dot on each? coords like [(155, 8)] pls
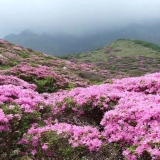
[(11, 107), (33, 152), (45, 146), (75, 144), (10, 116)]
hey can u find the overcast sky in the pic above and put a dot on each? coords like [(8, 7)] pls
[(73, 16)]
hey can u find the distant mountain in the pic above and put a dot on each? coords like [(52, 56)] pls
[(53, 45), (62, 44)]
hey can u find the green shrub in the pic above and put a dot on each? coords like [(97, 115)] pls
[(24, 55), (45, 85), (34, 65), (71, 86), (4, 67), (148, 45)]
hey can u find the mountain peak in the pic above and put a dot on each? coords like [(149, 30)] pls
[(27, 31)]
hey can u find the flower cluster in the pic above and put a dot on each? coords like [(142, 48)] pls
[(149, 84), (3, 41), (18, 48), (134, 123), (20, 108), (38, 74), (77, 136), (81, 99), (125, 112), (6, 80), (131, 112)]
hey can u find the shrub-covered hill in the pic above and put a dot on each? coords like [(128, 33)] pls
[(45, 115), (42, 69), (123, 57)]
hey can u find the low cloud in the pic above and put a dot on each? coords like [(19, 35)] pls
[(74, 17)]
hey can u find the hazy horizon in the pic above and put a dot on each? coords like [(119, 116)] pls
[(74, 17)]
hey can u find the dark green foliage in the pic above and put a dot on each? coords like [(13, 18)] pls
[(34, 65), (145, 156), (64, 57), (50, 58), (4, 67), (70, 56), (45, 85), (70, 86), (30, 50), (148, 45), (13, 63), (22, 54), (1, 45)]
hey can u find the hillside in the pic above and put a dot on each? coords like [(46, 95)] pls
[(55, 109), (123, 57), (17, 60)]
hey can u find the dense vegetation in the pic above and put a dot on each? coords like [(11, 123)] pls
[(148, 45), (123, 57), (50, 109)]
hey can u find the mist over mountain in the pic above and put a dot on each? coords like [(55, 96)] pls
[(62, 44)]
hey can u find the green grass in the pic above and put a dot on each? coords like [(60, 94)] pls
[(126, 48), (50, 58), (1, 45), (129, 47), (148, 45), (126, 56), (22, 54), (33, 64), (3, 67)]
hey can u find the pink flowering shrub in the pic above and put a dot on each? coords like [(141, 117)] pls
[(50, 140), (131, 116), (91, 102), (134, 124), (44, 77), (149, 84), (75, 122), (43, 116), (18, 48), (3, 41), (12, 56), (3, 60), (6, 80), (19, 109)]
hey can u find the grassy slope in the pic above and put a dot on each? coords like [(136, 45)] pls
[(128, 57)]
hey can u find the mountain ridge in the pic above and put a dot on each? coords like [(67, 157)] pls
[(62, 44)]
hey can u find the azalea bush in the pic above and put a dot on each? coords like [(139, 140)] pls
[(44, 77), (71, 124), (60, 140), (19, 109)]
